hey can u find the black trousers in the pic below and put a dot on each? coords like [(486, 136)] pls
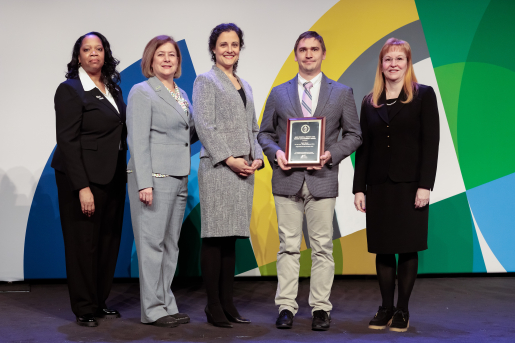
[(91, 244)]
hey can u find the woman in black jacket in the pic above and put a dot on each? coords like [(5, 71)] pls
[(396, 169), (90, 164)]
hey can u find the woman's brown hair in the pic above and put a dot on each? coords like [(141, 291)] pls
[(150, 50)]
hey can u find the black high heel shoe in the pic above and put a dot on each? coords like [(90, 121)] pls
[(239, 319), (210, 320)]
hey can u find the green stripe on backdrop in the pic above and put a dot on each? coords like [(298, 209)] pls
[(494, 41), (450, 238), (269, 269), (478, 37), (449, 82), (245, 259), (449, 27), (486, 121)]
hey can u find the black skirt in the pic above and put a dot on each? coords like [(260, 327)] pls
[(394, 225)]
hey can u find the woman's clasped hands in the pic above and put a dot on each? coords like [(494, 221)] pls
[(241, 167)]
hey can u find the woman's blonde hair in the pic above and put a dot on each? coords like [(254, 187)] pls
[(150, 50), (410, 80)]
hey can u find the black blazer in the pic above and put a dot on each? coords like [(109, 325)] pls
[(88, 131), (405, 148)]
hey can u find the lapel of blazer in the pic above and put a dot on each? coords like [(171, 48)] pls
[(98, 97), (293, 94), (244, 91), (383, 111), (121, 107), (229, 87), (101, 98), (324, 95), (246, 108), (231, 90), (164, 94), (398, 105)]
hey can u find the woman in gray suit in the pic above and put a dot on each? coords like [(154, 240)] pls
[(226, 123), (160, 131)]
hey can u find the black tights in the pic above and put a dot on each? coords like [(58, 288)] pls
[(217, 261), (406, 275)]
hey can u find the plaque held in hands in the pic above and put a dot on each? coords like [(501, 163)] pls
[(305, 138)]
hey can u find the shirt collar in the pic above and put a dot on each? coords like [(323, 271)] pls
[(86, 81), (315, 81)]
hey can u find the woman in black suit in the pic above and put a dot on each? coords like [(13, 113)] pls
[(90, 163), (396, 169)]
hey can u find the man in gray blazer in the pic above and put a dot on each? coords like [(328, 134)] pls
[(313, 190)]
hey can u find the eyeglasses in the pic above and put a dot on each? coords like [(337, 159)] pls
[(390, 60)]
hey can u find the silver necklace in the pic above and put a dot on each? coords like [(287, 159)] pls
[(391, 103)]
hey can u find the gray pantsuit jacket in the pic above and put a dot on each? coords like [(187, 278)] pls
[(160, 133), (226, 128)]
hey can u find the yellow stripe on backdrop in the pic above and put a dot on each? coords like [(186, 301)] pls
[(349, 28)]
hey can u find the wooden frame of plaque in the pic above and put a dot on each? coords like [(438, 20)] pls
[(304, 138)]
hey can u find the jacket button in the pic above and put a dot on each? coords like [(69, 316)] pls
[(185, 144), (388, 146), (387, 125), (388, 136), (121, 123), (187, 127)]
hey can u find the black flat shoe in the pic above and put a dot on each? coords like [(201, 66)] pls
[(221, 324), (400, 321), (382, 319), (106, 313), (321, 321), (284, 320), (87, 320), (239, 319)]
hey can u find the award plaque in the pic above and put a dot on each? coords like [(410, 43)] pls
[(305, 138)]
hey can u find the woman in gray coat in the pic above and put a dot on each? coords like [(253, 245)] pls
[(226, 123), (160, 131)]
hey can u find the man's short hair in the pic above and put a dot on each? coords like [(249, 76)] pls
[(309, 34)]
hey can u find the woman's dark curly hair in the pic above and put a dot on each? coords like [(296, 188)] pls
[(110, 76), (217, 31)]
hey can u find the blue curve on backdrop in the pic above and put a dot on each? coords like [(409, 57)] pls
[(44, 247)]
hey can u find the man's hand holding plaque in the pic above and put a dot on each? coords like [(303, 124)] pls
[(325, 158), (281, 160), (305, 138)]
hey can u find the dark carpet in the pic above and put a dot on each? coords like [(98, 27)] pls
[(472, 309)]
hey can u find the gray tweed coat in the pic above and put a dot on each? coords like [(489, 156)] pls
[(226, 128)]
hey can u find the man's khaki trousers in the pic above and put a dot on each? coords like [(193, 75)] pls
[(319, 215)]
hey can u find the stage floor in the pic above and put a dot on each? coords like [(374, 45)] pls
[(473, 309)]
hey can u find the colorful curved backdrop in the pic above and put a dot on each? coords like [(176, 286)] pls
[(464, 50)]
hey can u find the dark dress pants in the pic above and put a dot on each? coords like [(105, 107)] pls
[(92, 244)]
